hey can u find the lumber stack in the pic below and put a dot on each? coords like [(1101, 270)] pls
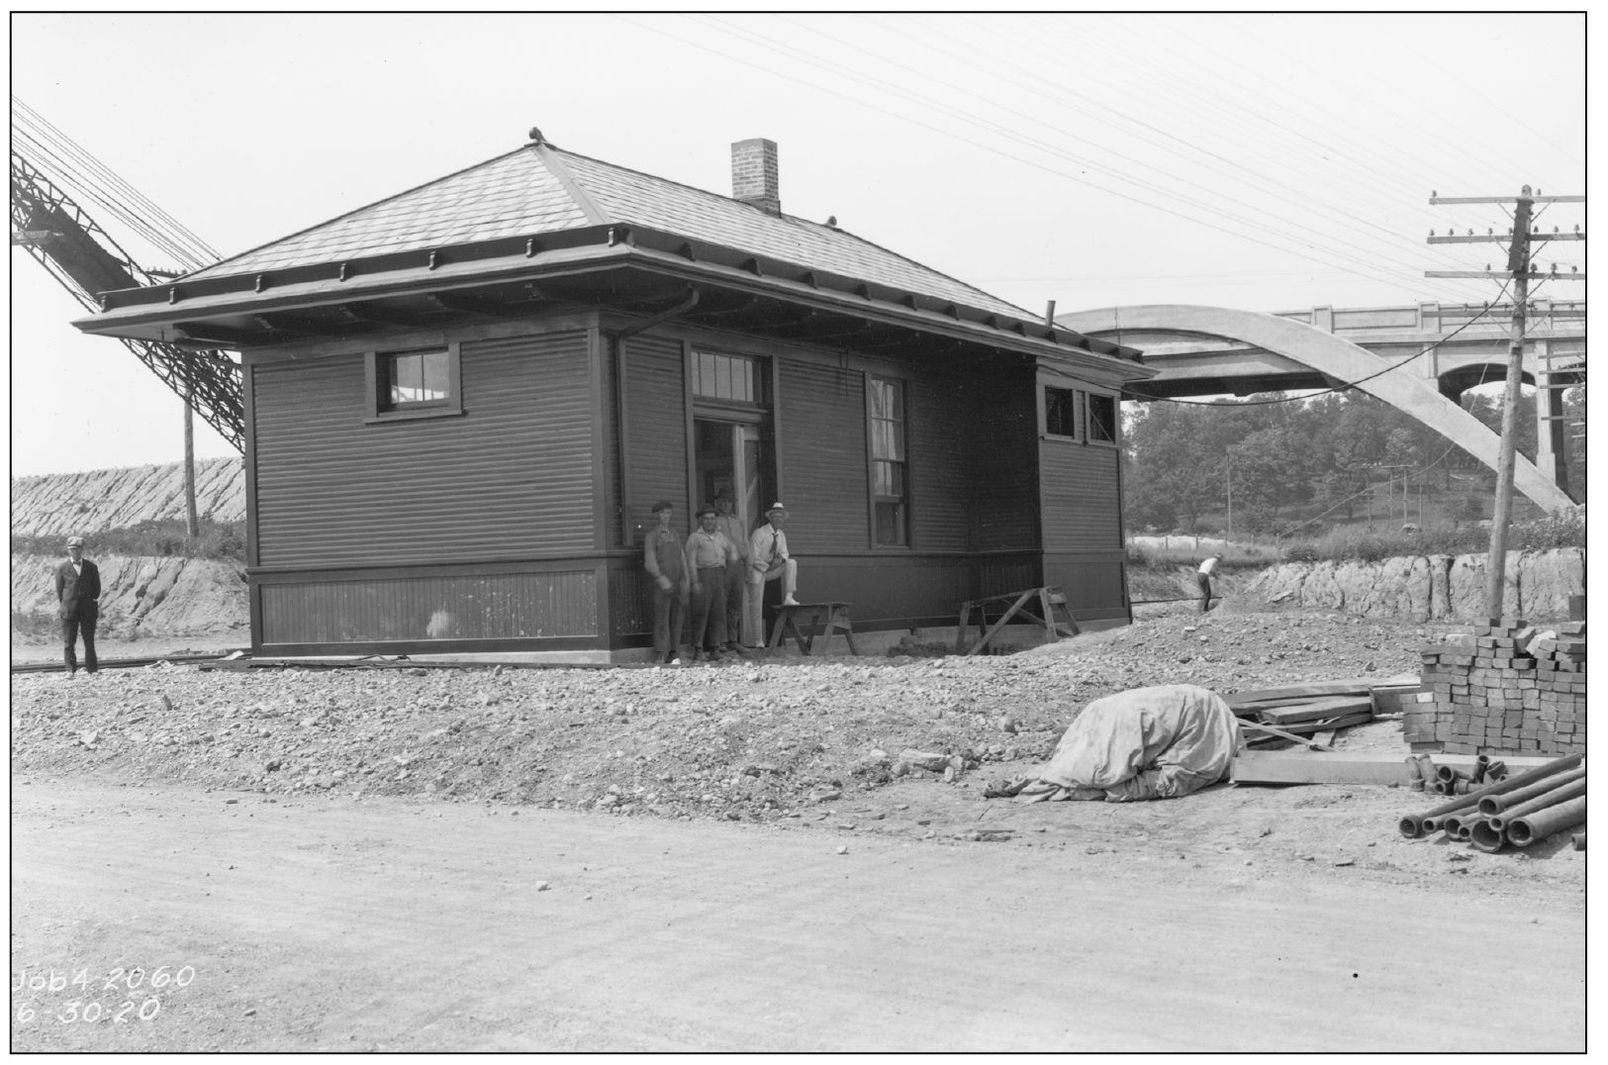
[(1319, 706), (1516, 811), (1503, 686)]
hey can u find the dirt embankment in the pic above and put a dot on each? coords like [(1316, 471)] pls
[(141, 598), (65, 504)]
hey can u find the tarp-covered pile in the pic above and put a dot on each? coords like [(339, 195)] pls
[(1149, 743)]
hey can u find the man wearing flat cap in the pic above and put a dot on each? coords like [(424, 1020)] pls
[(664, 556), (768, 560), (78, 591)]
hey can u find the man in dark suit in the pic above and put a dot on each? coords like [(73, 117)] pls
[(78, 590)]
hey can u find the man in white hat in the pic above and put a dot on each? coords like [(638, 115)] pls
[(78, 591), (768, 560)]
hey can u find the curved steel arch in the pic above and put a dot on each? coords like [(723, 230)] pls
[(1334, 356)]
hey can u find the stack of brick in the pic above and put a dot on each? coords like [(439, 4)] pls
[(1506, 687)]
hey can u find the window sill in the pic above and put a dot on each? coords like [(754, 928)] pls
[(413, 415)]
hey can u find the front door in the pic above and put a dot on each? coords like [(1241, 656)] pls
[(730, 458)]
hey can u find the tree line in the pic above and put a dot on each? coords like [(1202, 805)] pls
[(1308, 463)]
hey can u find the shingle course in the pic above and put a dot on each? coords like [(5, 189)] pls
[(519, 194)]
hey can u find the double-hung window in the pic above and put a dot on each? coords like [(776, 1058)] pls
[(890, 484)]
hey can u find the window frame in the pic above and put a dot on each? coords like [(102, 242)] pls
[(374, 375), (873, 500), (1088, 420), (1072, 402)]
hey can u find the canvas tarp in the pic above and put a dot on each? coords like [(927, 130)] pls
[(1149, 743)]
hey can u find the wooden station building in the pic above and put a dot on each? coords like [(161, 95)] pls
[(461, 402)]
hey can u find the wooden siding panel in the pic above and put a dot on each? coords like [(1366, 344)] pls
[(510, 478), (822, 458), (442, 608), (1095, 584), (656, 428), (1081, 510), (1003, 442), (940, 485)]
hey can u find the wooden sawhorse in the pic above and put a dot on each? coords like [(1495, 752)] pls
[(823, 619), (1048, 598)]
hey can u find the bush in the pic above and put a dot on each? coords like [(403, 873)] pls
[(164, 538)]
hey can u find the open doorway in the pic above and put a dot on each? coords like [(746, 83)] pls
[(732, 458)]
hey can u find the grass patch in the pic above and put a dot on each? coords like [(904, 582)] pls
[(1352, 544), (161, 538)]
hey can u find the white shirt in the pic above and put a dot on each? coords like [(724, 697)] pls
[(767, 545), (1209, 567)]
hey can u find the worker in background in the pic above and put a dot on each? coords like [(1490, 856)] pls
[(1208, 570), (664, 556), (78, 592)]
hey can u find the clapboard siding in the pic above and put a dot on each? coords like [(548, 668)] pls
[(656, 428), (1003, 429), (937, 433), (822, 457), (1079, 483), (511, 477)]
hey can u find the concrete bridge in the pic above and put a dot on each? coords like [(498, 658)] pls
[(1424, 356)]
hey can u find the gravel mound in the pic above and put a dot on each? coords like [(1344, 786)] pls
[(753, 740)]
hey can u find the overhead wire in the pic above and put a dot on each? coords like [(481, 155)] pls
[(1240, 233), (94, 180), (170, 226)]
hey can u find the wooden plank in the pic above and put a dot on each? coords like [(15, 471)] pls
[(1307, 728), (1294, 692), (1316, 709), (1281, 734)]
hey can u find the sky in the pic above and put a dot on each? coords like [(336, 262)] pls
[(1265, 162)]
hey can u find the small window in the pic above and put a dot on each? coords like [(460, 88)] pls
[(422, 383), (1102, 419), (1060, 406), (727, 377), (890, 490)]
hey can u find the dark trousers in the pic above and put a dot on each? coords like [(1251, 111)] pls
[(70, 628), (1205, 591), (736, 576), (709, 609), (669, 608)]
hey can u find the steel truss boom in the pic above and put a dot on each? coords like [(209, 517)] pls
[(80, 255)]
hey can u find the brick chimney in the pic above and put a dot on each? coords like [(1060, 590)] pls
[(753, 174)]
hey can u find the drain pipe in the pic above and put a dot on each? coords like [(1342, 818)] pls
[(617, 339)]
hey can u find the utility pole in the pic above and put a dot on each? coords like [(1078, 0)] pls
[(192, 523), (1519, 272)]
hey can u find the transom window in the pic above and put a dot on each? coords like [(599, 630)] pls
[(734, 378), (414, 380), (890, 490)]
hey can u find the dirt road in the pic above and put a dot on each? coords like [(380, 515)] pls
[(311, 924)]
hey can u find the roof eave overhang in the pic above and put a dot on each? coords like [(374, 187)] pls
[(151, 313)]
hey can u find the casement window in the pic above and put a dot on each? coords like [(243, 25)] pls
[(421, 383), (1060, 412), (890, 485), (1102, 419), (1078, 415)]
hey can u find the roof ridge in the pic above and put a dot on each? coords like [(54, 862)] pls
[(790, 217), (550, 157), (355, 211)]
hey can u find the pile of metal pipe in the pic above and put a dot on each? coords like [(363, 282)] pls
[(1512, 811)]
